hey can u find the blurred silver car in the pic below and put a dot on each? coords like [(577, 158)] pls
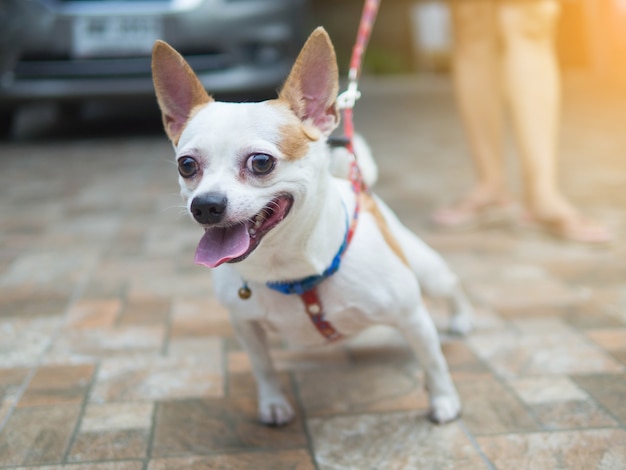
[(93, 49)]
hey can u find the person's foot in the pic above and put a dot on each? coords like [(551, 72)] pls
[(555, 215), (571, 227), (476, 209)]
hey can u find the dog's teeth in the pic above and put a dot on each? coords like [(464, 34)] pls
[(257, 222), (258, 219)]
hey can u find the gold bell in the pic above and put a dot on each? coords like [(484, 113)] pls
[(244, 292)]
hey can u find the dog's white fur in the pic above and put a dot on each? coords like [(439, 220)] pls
[(373, 285)]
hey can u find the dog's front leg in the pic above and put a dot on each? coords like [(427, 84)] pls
[(419, 330), (274, 409)]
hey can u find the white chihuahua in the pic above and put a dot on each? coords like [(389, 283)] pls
[(295, 249)]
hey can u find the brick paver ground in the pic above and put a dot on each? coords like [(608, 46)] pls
[(115, 355)]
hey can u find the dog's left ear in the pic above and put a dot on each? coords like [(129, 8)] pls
[(312, 85), (177, 87)]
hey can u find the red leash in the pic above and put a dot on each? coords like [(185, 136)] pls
[(348, 98), (307, 288), (368, 17), (346, 102)]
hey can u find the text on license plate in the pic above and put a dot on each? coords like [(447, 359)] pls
[(115, 35)]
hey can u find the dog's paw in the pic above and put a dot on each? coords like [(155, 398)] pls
[(275, 410), (460, 324), (444, 408)]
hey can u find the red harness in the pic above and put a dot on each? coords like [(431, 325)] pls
[(310, 298)]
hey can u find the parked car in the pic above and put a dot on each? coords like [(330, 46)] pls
[(74, 50)]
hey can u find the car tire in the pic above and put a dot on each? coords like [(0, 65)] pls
[(7, 119)]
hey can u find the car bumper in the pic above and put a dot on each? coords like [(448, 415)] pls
[(234, 46), (240, 79)]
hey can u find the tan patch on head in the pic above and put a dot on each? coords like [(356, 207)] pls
[(369, 205), (195, 110), (295, 136), (294, 141)]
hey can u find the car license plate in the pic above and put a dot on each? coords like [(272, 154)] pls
[(115, 35)]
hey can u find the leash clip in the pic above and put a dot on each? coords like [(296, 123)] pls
[(348, 98)]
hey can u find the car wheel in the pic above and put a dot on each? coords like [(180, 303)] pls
[(7, 118)]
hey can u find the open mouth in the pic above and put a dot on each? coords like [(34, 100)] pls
[(233, 243)]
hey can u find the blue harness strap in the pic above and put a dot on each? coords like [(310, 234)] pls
[(301, 286), (307, 288)]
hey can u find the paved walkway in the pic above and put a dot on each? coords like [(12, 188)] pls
[(114, 354)]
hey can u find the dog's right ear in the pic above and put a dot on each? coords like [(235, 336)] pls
[(312, 85), (177, 88)]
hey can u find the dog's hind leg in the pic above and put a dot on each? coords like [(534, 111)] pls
[(274, 408), (438, 280), (433, 273), (420, 332), (462, 317)]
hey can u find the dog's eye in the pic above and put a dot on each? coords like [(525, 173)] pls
[(187, 167), (260, 163)]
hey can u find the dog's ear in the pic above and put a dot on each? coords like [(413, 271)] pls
[(177, 88), (312, 85)]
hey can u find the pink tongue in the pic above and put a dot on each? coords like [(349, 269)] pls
[(219, 245)]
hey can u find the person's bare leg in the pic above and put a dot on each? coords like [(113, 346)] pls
[(477, 78), (532, 86)]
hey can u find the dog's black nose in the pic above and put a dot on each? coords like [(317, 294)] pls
[(209, 208)]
